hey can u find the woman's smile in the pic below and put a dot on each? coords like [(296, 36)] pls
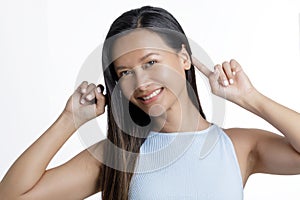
[(151, 96)]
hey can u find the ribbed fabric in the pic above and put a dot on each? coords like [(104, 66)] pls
[(187, 165)]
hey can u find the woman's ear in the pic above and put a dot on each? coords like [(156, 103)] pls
[(185, 58)]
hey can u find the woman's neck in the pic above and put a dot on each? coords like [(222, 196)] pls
[(181, 117)]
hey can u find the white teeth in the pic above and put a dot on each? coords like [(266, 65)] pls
[(153, 94)]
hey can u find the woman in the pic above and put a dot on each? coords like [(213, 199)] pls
[(152, 102)]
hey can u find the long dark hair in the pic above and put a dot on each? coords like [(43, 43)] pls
[(119, 166)]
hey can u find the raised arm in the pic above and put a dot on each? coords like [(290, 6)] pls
[(27, 178), (272, 153), (287, 121)]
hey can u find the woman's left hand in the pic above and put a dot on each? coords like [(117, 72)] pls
[(227, 81)]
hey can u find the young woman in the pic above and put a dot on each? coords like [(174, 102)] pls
[(159, 144)]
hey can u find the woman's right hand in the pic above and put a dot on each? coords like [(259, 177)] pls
[(86, 103)]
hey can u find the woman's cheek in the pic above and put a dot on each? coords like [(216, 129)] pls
[(127, 88), (170, 77)]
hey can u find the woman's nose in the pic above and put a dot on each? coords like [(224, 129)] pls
[(141, 79)]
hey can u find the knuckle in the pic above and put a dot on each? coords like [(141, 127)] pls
[(92, 85), (232, 61), (84, 83), (225, 63), (217, 67), (83, 87)]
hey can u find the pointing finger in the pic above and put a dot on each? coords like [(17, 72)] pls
[(201, 67)]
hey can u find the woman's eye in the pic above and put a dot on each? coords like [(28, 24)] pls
[(125, 73), (150, 63)]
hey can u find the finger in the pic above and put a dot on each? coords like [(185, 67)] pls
[(222, 76), (228, 71), (101, 87), (89, 95), (214, 80), (236, 67), (100, 99), (82, 87), (102, 90), (201, 67)]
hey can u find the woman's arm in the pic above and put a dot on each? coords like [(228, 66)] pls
[(31, 165), (230, 82), (287, 121), (28, 175), (270, 153)]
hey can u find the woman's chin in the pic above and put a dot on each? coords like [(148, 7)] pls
[(156, 110)]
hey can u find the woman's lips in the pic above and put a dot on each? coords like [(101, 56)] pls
[(146, 99)]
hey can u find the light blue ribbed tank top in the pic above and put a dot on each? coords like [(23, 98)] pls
[(187, 165)]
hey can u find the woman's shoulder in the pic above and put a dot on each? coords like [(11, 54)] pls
[(248, 136), (242, 136)]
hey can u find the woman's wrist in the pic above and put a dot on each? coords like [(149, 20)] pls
[(253, 101), (67, 119)]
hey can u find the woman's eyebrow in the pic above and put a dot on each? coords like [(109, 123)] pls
[(147, 55), (120, 67)]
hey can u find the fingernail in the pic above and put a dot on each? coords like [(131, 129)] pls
[(231, 81), (226, 83), (89, 97), (83, 90), (98, 90), (82, 101), (233, 73)]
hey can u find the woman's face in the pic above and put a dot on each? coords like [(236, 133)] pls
[(151, 74)]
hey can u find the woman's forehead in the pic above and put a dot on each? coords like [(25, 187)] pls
[(139, 39)]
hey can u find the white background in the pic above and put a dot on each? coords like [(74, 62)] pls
[(43, 45)]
